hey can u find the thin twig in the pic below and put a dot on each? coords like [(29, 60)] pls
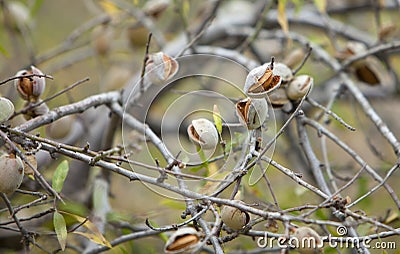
[(145, 58), (25, 76), (331, 113), (31, 106), (176, 226)]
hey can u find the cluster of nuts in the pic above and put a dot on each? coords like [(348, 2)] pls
[(274, 81), (30, 89)]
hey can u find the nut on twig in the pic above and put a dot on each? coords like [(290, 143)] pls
[(203, 132), (262, 80), (299, 87), (30, 88), (6, 109), (233, 217), (11, 173), (309, 241), (182, 241), (160, 67), (252, 112)]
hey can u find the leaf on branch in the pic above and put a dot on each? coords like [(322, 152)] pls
[(185, 8), (4, 51), (217, 119), (60, 175), (95, 238), (321, 5), (60, 228), (35, 7), (93, 233), (173, 204), (282, 19), (109, 7)]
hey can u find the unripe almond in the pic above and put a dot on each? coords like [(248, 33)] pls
[(299, 87), (233, 217), (309, 241), (6, 109), (60, 128), (11, 173)]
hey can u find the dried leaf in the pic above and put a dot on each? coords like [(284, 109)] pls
[(282, 19), (94, 233), (185, 8), (60, 228), (109, 7)]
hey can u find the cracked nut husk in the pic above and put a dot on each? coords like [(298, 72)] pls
[(261, 81), (6, 109), (11, 173), (30, 88), (299, 87), (160, 67), (283, 71), (252, 112), (184, 240), (233, 217), (203, 132), (369, 70), (309, 241)]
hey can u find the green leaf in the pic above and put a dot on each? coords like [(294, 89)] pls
[(59, 176), (4, 51), (60, 228), (174, 204), (321, 5), (217, 119), (35, 7), (282, 19), (185, 8)]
